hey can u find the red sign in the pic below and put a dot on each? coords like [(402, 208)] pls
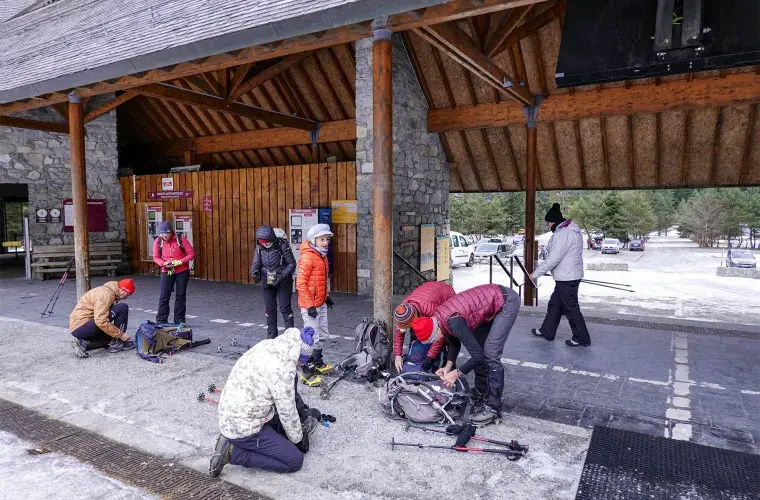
[(97, 221), (169, 195), (207, 205)]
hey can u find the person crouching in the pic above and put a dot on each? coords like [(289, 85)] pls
[(99, 319), (258, 414)]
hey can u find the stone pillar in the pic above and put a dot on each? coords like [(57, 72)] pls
[(79, 195), (420, 171)]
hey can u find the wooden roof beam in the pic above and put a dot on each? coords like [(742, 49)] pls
[(453, 42), (105, 108), (184, 96), (499, 33), (269, 73), (11, 121), (530, 27), (437, 14), (742, 88)]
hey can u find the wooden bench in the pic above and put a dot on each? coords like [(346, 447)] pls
[(53, 259)]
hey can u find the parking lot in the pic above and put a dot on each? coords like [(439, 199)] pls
[(672, 278)]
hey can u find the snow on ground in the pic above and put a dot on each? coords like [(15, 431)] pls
[(672, 278), (54, 476)]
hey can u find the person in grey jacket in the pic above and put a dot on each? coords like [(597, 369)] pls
[(273, 265), (565, 262)]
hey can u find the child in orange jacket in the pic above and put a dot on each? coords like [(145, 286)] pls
[(313, 295)]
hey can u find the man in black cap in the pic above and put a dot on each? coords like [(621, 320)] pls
[(565, 261)]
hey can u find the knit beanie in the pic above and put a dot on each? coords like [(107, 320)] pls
[(425, 329), (404, 315), (554, 214), (127, 285), (164, 227), (307, 344)]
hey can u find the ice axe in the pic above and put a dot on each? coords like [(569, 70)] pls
[(512, 455)]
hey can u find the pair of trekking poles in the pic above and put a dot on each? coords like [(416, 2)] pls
[(513, 451)]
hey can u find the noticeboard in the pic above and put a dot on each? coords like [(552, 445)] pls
[(344, 212), (427, 247), (97, 221), (443, 258)]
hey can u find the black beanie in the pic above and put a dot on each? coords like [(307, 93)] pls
[(554, 215)]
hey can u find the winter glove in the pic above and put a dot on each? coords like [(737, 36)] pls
[(312, 312), (256, 277), (276, 282), (329, 302), (303, 445), (427, 364), (176, 263)]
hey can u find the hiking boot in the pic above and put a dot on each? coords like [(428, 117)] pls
[(312, 420), (117, 345), (573, 342), (80, 348), (221, 456), (318, 364), (310, 376), (485, 415)]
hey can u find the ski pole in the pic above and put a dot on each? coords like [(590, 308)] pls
[(213, 388), (54, 299), (604, 282), (202, 398), (512, 445), (608, 286), (511, 455)]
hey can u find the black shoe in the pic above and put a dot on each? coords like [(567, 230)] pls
[(221, 456), (117, 345), (539, 333), (574, 343)]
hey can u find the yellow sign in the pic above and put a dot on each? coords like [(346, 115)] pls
[(8, 244), (344, 211), (427, 247), (443, 258)]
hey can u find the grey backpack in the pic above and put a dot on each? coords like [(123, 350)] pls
[(423, 398), (371, 338)]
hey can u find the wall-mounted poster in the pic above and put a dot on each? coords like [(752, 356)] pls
[(344, 211), (427, 247), (97, 222), (443, 258), (167, 184)]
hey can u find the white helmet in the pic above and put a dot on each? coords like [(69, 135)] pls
[(279, 233), (317, 231)]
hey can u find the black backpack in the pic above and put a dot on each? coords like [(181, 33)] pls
[(371, 338)]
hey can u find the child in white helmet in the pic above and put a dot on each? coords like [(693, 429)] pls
[(314, 296)]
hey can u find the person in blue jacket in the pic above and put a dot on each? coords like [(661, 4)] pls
[(273, 265)]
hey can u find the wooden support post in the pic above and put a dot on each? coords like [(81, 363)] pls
[(531, 113), (79, 195), (382, 174)]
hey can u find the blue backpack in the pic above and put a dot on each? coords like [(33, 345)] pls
[(417, 354), (153, 341)]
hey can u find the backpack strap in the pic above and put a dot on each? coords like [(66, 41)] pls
[(179, 243)]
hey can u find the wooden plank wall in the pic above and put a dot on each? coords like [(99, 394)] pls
[(242, 201)]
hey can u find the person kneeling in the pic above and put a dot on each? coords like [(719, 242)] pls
[(99, 319), (258, 408)]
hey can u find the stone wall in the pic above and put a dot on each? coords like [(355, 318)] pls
[(42, 161), (606, 266), (420, 171), (738, 272)]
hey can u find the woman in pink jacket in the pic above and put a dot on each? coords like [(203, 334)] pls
[(173, 256)]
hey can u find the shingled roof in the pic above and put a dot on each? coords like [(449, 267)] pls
[(70, 43)]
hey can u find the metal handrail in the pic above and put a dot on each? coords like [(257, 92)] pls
[(422, 276), (525, 271), (512, 280)]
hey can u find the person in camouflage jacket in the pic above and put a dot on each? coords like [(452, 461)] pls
[(258, 416)]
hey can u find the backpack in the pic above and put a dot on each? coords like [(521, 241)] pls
[(416, 355), (181, 247), (153, 341), (422, 398), (371, 338)]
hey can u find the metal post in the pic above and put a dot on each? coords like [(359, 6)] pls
[(27, 249), (79, 195), (382, 173), (511, 269), (490, 271), (531, 113)]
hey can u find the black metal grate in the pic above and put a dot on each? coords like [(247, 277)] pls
[(136, 467), (625, 465)]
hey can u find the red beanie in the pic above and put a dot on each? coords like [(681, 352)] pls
[(425, 329), (127, 285)]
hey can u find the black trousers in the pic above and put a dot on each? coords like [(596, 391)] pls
[(564, 300), (97, 338), (168, 284), (283, 293)]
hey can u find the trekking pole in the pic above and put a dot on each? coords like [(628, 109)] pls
[(512, 455), (54, 299), (512, 445), (604, 282), (202, 398), (213, 388), (608, 286)]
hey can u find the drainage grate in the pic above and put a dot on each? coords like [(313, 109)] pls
[(130, 465), (625, 465)]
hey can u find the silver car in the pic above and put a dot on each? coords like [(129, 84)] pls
[(740, 258), (485, 250)]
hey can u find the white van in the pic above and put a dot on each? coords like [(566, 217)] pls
[(461, 251), (611, 245)]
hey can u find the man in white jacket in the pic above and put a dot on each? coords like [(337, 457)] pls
[(258, 408), (565, 262)]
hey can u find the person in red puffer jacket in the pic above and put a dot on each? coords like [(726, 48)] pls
[(481, 319), (423, 301), (174, 259)]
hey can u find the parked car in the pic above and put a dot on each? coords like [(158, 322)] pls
[(484, 251), (740, 258), (611, 245), (598, 243), (461, 252), (637, 245)]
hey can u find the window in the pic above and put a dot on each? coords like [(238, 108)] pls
[(455, 241)]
